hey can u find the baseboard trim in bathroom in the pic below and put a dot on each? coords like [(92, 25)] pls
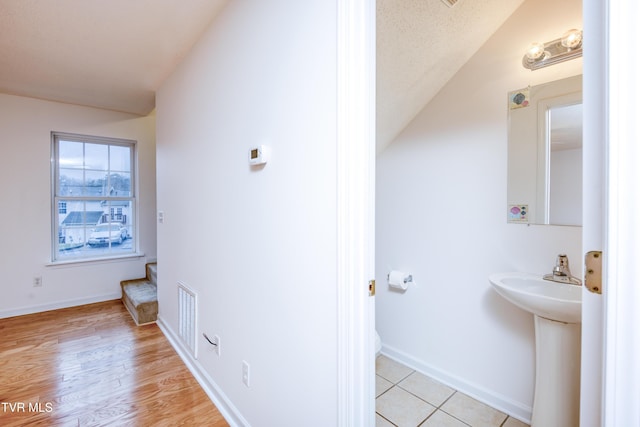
[(495, 400)]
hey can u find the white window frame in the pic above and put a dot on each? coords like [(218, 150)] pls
[(56, 198)]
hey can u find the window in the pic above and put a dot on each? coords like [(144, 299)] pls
[(93, 197)]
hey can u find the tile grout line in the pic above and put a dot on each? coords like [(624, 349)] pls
[(439, 408), (386, 419)]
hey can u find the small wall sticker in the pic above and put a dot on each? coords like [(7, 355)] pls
[(519, 98), (518, 213)]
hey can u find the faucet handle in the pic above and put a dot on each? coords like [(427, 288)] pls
[(561, 272), (562, 266), (558, 271)]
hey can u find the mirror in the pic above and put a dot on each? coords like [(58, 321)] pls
[(544, 184)]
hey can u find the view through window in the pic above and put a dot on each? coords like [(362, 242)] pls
[(94, 197)]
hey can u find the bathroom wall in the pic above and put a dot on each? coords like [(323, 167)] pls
[(25, 217), (441, 215), (257, 244)]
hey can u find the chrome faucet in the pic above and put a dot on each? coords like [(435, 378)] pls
[(562, 272)]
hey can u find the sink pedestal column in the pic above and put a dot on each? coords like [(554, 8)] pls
[(556, 400)]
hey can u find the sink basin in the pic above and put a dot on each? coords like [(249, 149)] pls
[(560, 302), (557, 309)]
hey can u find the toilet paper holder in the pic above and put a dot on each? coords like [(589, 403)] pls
[(399, 280), (407, 279)]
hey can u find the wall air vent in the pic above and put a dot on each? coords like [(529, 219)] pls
[(450, 3), (187, 318)]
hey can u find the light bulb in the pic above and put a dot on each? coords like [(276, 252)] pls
[(571, 39), (535, 52)]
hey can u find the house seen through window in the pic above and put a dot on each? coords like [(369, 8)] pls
[(94, 197)]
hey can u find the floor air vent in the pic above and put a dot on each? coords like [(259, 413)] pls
[(187, 317)]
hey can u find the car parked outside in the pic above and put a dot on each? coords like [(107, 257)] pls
[(106, 233)]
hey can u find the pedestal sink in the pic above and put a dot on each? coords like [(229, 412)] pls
[(557, 310)]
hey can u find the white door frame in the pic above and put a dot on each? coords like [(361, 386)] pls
[(594, 179), (610, 388), (622, 249), (356, 36), (610, 379)]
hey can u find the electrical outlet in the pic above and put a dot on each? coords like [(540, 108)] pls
[(160, 217), (37, 282), (245, 373)]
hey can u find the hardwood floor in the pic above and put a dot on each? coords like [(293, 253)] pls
[(91, 366)]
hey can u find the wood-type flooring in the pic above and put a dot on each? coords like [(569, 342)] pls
[(92, 366)]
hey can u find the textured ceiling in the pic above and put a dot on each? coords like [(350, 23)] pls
[(421, 44), (114, 54), (110, 54)]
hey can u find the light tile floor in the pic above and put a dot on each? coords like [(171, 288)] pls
[(406, 398)]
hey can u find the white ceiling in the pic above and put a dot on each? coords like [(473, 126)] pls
[(421, 44), (110, 54), (114, 54)]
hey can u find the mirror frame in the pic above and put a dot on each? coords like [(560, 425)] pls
[(528, 152), (543, 185)]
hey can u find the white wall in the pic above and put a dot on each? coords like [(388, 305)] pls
[(25, 217), (441, 215), (257, 245)]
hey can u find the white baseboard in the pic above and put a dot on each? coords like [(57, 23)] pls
[(57, 305), (215, 393), (502, 403)]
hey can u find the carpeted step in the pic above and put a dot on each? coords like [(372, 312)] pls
[(152, 273), (140, 296)]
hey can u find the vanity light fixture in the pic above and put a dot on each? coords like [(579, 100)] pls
[(567, 47), (450, 3)]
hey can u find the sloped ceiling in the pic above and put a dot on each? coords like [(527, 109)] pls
[(421, 44), (114, 54), (110, 54)]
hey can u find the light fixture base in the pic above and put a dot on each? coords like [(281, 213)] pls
[(554, 53)]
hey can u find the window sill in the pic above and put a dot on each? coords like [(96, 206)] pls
[(100, 260)]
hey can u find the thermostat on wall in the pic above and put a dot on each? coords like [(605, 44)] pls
[(259, 155)]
